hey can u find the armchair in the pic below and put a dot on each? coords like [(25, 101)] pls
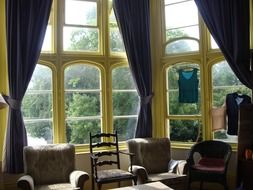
[(51, 167), (152, 162)]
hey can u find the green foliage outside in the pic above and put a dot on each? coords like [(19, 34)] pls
[(83, 98)]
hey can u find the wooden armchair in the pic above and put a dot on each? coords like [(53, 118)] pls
[(107, 153)]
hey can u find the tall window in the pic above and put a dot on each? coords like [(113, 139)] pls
[(183, 102), (182, 29), (225, 82), (81, 26), (125, 103), (37, 107), (82, 102)]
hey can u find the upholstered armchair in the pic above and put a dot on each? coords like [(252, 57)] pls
[(51, 167), (153, 162)]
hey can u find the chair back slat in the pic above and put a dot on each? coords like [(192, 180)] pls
[(106, 162), (103, 135), (101, 144), (106, 153)]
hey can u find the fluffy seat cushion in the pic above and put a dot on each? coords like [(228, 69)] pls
[(210, 165)]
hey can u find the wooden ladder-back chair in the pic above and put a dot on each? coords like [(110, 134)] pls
[(104, 153)]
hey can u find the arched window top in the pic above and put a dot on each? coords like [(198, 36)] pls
[(81, 76), (181, 46)]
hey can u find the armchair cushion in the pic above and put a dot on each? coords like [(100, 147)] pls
[(210, 165)]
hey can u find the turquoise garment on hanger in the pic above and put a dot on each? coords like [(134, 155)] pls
[(188, 86)]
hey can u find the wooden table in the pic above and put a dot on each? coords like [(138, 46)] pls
[(146, 186)]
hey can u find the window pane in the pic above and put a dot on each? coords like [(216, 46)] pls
[(80, 76), (82, 104), (80, 12), (78, 131), (80, 39), (125, 103), (37, 104), (173, 105), (125, 128), (191, 31), (225, 82), (39, 132), (122, 78), (181, 46), (37, 107), (47, 43), (116, 42), (181, 14), (184, 130), (214, 44)]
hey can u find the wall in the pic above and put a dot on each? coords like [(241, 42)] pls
[(8, 182)]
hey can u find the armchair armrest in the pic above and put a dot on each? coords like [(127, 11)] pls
[(25, 182), (127, 153), (131, 159), (141, 173), (78, 178), (182, 167), (177, 166)]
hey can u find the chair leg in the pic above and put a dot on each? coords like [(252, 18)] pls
[(119, 184), (99, 185), (225, 185), (135, 180), (201, 185), (189, 185), (92, 183)]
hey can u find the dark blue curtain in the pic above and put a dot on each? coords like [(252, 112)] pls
[(134, 23), (228, 22), (26, 26)]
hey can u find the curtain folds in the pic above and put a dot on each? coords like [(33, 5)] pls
[(228, 22), (133, 17), (26, 22)]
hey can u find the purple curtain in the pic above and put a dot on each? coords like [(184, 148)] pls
[(26, 26), (133, 20), (228, 22)]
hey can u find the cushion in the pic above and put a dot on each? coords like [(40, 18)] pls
[(107, 175), (210, 165)]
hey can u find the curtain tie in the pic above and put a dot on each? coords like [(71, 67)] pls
[(13, 103), (146, 99)]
